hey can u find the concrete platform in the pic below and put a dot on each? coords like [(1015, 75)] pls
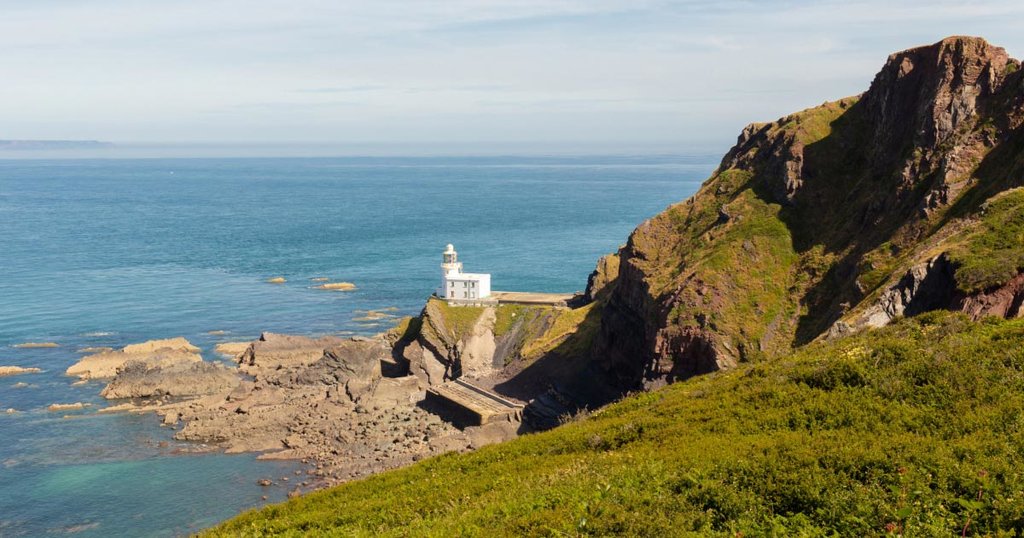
[(469, 405), (529, 298)]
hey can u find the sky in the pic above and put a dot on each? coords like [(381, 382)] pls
[(629, 75)]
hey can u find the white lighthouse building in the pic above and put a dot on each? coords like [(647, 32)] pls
[(459, 286)]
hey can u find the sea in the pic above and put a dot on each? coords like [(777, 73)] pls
[(108, 252)]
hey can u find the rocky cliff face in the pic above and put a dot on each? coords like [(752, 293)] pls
[(838, 217)]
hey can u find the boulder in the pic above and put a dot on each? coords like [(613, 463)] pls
[(394, 392), (424, 364), (355, 359)]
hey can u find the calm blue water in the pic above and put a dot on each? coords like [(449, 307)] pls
[(110, 252)]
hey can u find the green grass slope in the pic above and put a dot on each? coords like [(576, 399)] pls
[(991, 253), (917, 428)]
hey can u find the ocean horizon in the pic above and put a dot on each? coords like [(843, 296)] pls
[(109, 252)]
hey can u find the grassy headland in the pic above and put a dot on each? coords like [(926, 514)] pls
[(915, 429)]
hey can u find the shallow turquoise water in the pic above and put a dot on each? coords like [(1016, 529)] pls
[(106, 253)]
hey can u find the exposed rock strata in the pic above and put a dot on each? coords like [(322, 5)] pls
[(1004, 301)]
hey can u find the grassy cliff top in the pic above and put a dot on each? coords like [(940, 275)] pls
[(916, 428)]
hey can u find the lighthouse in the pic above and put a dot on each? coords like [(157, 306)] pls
[(458, 286)]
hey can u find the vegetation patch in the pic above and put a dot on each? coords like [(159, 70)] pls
[(814, 124), (914, 430), (750, 264), (406, 330), (571, 333), (508, 314), (459, 320), (991, 255)]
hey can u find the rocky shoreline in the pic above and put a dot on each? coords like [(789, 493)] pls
[(347, 407)]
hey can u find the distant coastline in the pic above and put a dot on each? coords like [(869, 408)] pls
[(44, 145)]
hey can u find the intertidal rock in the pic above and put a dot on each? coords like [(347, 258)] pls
[(337, 286), (154, 353), (372, 315), (36, 345), (276, 280), (138, 379), (95, 349), (16, 370), (149, 346), (67, 407)]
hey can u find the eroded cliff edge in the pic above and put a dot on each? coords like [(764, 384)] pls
[(843, 216)]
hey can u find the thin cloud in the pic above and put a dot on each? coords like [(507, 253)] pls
[(460, 70)]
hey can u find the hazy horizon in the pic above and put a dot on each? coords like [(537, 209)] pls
[(158, 150), (495, 77)]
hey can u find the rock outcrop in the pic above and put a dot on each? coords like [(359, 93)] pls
[(929, 285), (275, 354), (1004, 301), (138, 379), (602, 280), (153, 353)]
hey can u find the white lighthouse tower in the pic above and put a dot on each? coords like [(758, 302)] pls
[(458, 286)]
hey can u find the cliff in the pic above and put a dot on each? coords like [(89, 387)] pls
[(846, 215)]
